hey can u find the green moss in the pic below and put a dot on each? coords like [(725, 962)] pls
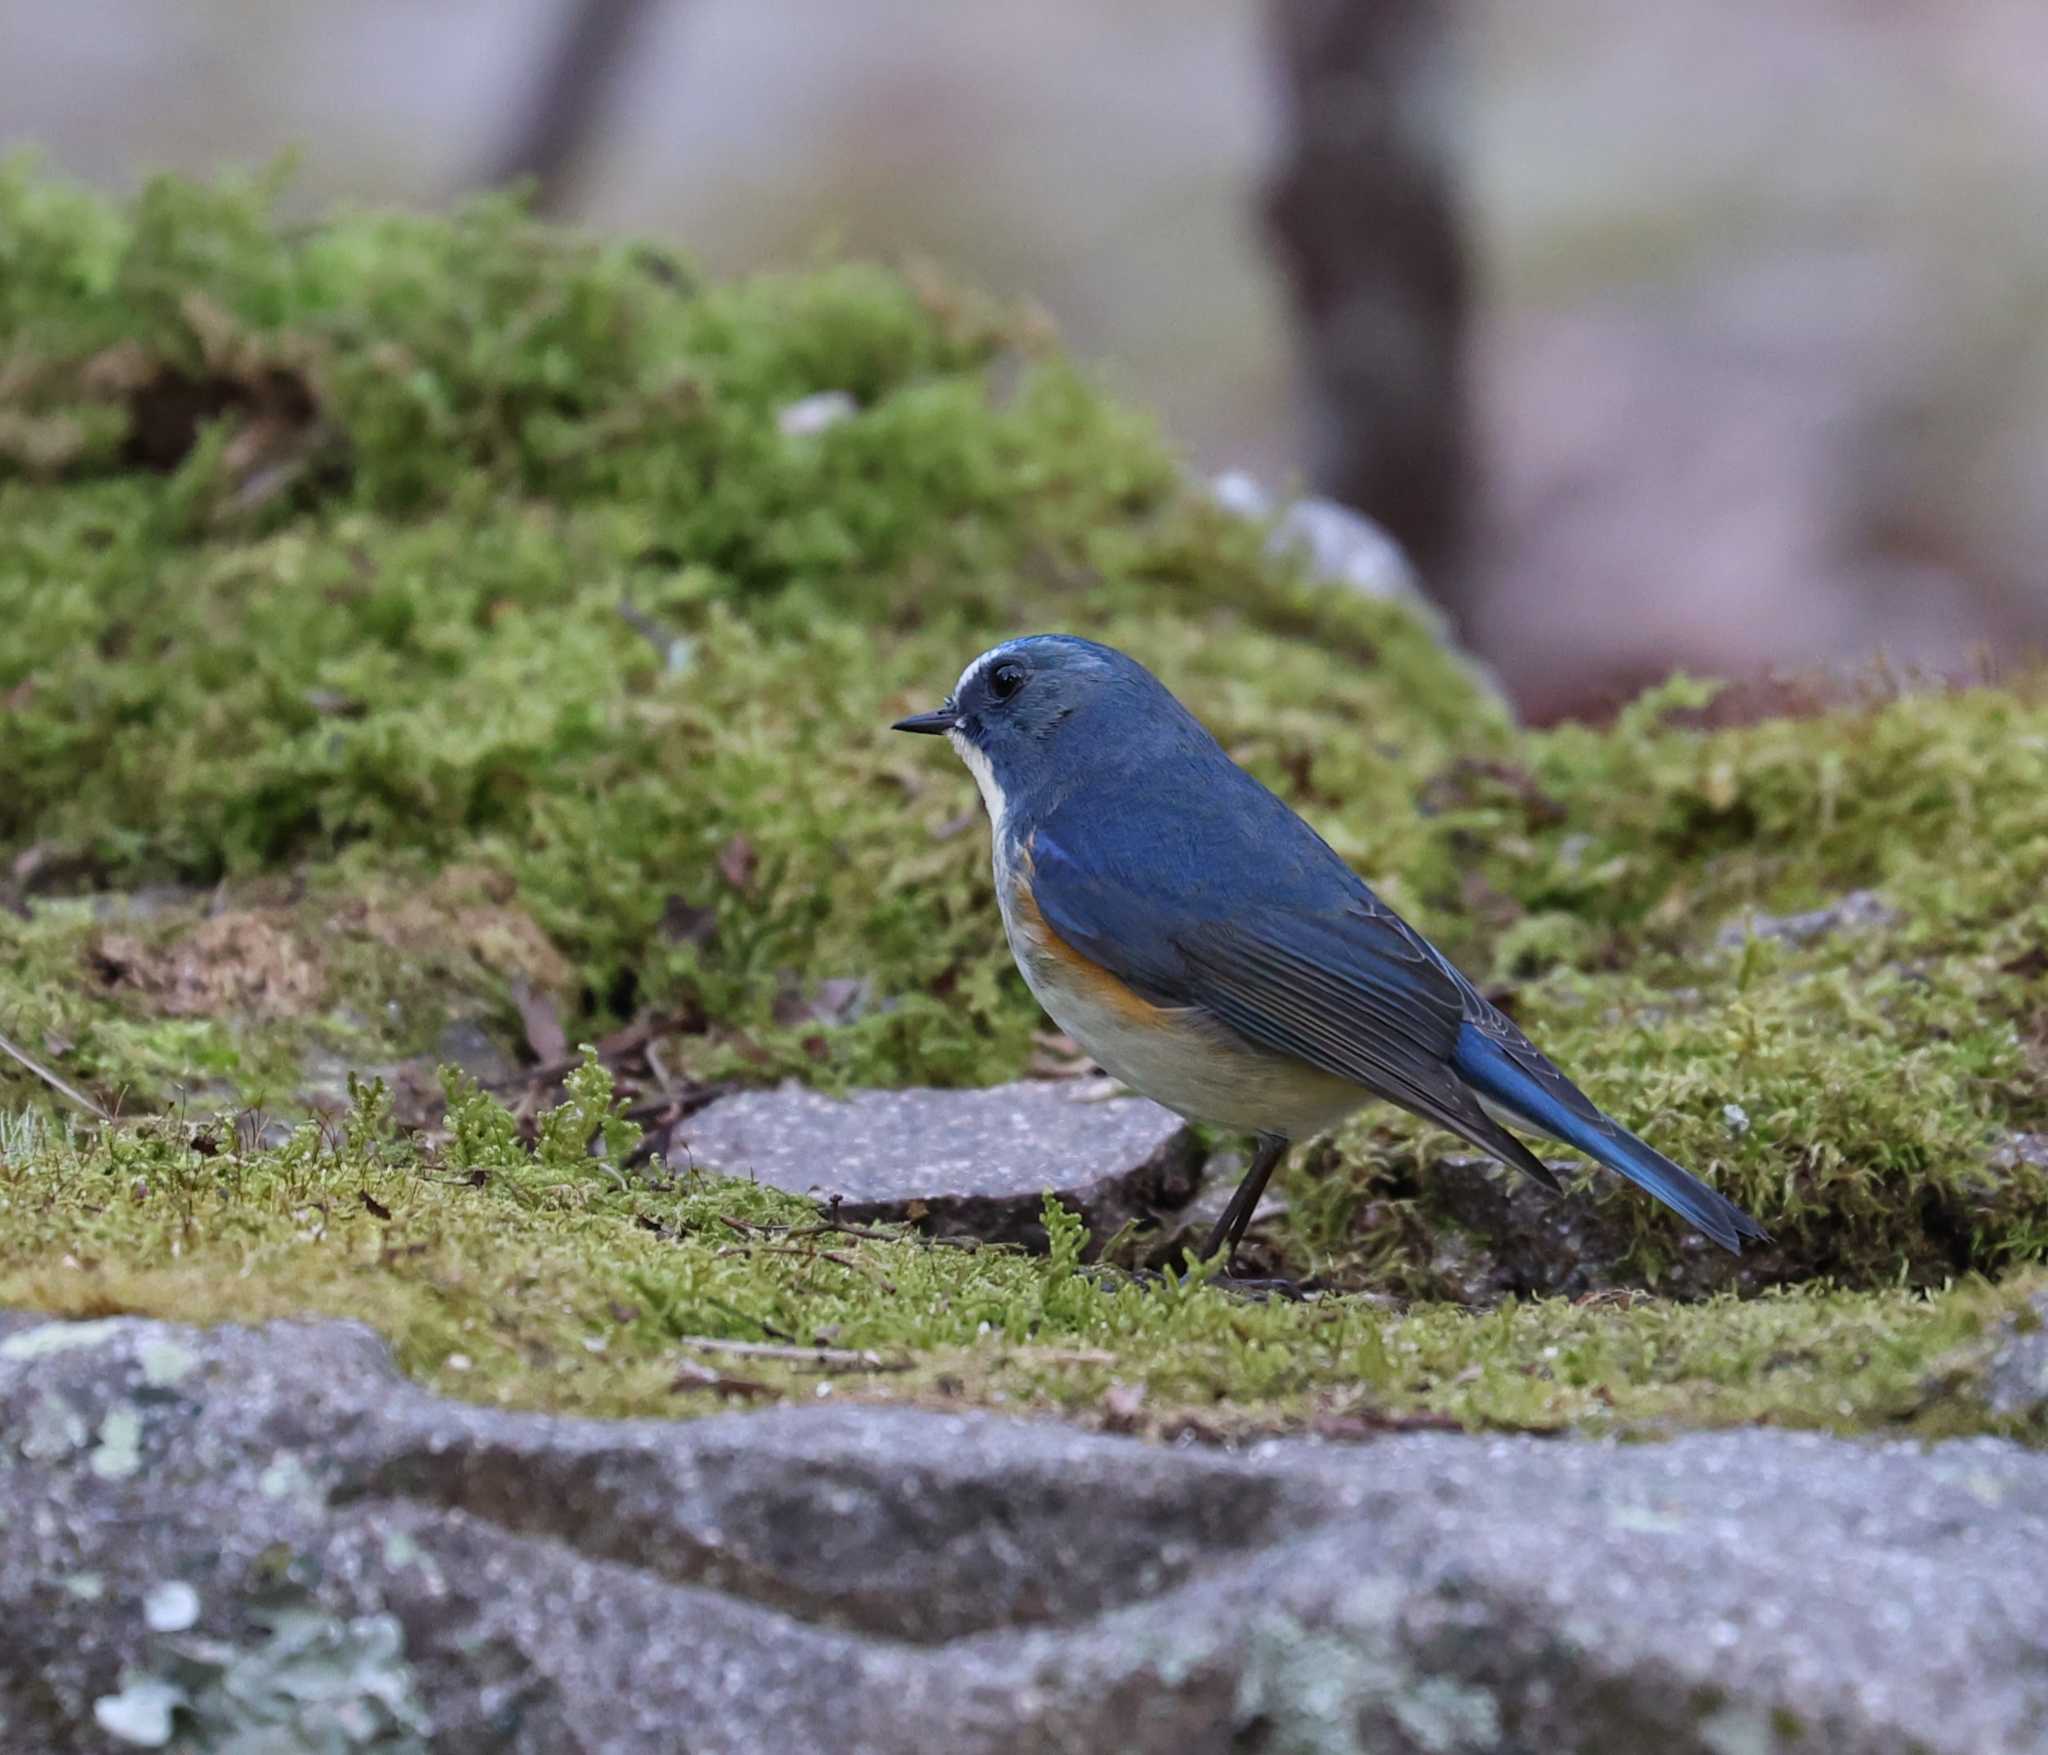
[(440, 604), (558, 1282), (1853, 1091), (432, 642)]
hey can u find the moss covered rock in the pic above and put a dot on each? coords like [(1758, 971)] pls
[(432, 629)]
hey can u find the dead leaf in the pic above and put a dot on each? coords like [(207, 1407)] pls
[(115, 957), (243, 960), (117, 371), (1468, 781), (1367, 1425), (691, 1375), (836, 1001), (737, 861), (1610, 1298), (544, 1032), (1123, 1404), (471, 909), (43, 445)]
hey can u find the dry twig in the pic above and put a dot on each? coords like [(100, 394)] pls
[(60, 1086), (820, 1358)]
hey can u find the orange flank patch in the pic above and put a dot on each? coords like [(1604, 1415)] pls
[(1088, 978)]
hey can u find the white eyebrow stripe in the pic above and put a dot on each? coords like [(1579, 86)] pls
[(976, 668)]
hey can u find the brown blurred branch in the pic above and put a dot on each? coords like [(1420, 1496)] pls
[(1363, 213), (551, 137)]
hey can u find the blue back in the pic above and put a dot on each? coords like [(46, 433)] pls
[(1132, 786)]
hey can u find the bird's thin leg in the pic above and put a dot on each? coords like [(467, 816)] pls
[(1230, 1228)]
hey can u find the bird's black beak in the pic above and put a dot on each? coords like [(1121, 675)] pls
[(931, 724)]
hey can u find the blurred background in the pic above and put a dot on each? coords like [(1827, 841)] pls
[(1709, 334)]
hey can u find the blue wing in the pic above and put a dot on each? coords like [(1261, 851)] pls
[(1248, 915), (1320, 970)]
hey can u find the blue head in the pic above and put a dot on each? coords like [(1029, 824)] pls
[(1040, 718)]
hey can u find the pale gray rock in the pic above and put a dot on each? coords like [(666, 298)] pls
[(2016, 1378), (2020, 1149), (1857, 912), (964, 1163), (1341, 547), (1336, 543), (341, 1555)]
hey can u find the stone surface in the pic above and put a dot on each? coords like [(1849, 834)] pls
[(2016, 1379), (1858, 911), (316, 1535), (964, 1163), (1347, 549), (1333, 541), (2022, 1148)]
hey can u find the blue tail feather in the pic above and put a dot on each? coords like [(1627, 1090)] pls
[(1493, 1072)]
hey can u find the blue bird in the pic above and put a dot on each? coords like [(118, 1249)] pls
[(1208, 948)]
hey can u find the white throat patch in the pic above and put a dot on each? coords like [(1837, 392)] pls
[(984, 778)]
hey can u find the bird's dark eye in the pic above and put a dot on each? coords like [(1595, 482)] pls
[(1005, 680)]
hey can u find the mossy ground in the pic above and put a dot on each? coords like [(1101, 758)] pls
[(407, 616), (544, 1281)]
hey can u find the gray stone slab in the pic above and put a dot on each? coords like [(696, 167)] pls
[(273, 1522), (965, 1163)]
